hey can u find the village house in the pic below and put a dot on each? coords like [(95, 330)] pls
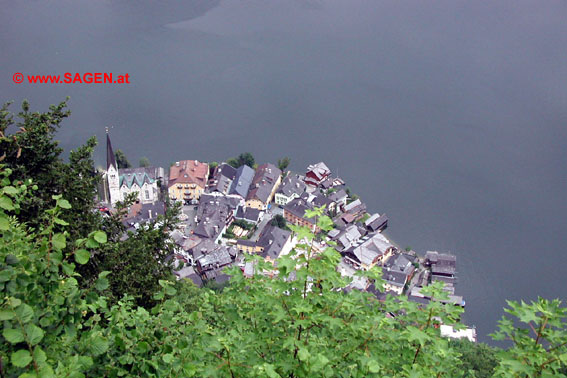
[(242, 180), (249, 214), (222, 178), (376, 223), (263, 186), (316, 174), (441, 264), (188, 272), (140, 213), (292, 187), (443, 268), (331, 182), (294, 213), (271, 243), (214, 214), (187, 180), (347, 237), (369, 251), (248, 246), (397, 272), (210, 265), (339, 197), (452, 333), (416, 295), (356, 209)]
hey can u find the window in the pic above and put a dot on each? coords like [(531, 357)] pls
[(147, 195)]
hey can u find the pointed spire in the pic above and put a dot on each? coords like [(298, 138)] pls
[(110, 158)]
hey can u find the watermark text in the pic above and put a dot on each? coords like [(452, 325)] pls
[(73, 78)]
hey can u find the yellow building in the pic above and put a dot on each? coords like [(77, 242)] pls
[(248, 246), (187, 180), (263, 187)]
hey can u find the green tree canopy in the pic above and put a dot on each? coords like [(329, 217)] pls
[(121, 159), (245, 158), (144, 162), (283, 163), (279, 221)]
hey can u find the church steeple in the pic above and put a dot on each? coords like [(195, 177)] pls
[(110, 158), (112, 174)]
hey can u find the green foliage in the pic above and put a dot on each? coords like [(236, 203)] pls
[(243, 224), (137, 260), (245, 158), (364, 218), (279, 221), (540, 349), (33, 153), (477, 358), (121, 159), (144, 162), (233, 162), (284, 163)]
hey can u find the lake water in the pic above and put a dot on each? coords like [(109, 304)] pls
[(450, 116)]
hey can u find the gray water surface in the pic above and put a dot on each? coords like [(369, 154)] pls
[(450, 116)]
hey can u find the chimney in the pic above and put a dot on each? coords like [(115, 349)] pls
[(177, 164)]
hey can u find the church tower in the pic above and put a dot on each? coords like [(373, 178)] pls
[(112, 178)]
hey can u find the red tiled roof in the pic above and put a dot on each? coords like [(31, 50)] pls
[(189, 172)]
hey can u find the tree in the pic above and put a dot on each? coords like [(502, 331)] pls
[(233, 162), (33, 153), (121, 159), (476, 357), (137, 259), (213, 165), (246, 158), (283, 163), (279, 221), (144, 162)]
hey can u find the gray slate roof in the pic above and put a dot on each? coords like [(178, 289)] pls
[(292, 184), (215, 259), (298, 207), (337, 196), (376, 222), (355, 206), (272, 240), (248, 214), (397, 269), (222, 178), (242, 181), (370, 249), (263, 182), (213, 213)]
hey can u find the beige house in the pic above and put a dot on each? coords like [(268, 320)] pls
[(187, 180), (263, 187)]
